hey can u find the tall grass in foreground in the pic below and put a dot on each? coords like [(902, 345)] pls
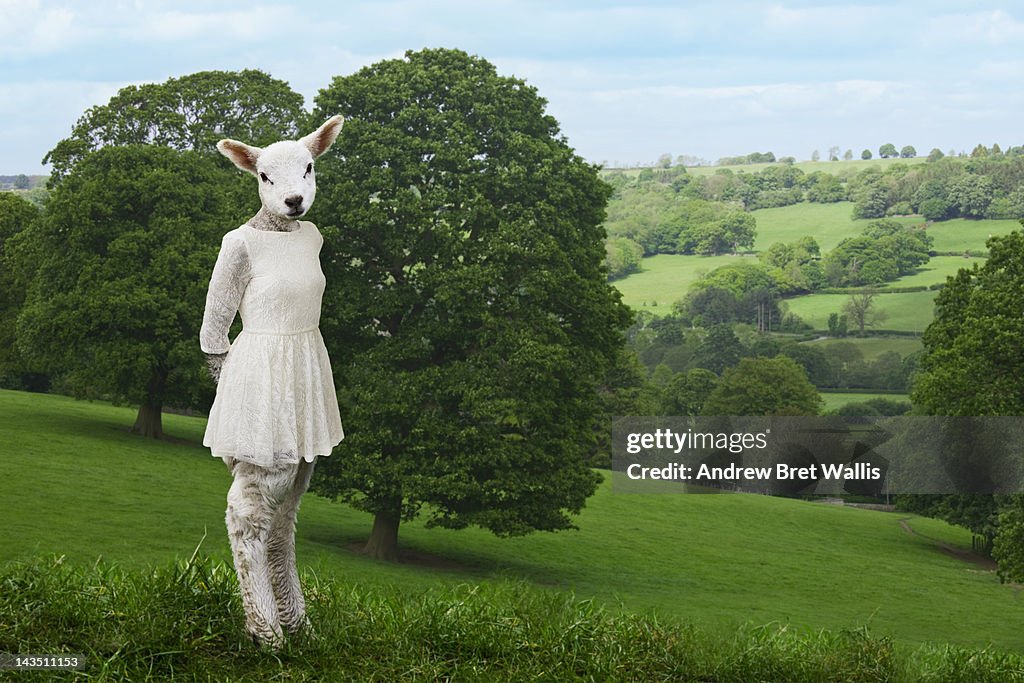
[(184, 621)]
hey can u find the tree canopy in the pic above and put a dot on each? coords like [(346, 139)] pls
[(192, 112), (16, 215), (884, 251), (979, 320), (468, 313), (763, 386), (117, 270), (978, 325)]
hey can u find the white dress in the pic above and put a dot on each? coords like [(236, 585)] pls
[(275, 401)]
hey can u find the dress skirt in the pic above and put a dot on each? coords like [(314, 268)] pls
[(275, 401)]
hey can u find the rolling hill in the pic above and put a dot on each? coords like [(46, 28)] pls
[(76, 483)]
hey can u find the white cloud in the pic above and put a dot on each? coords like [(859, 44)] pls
[(994, 28), (28, 29), (626, 79), (1001, 71), (828, 19), (250, 25), (37, 115)]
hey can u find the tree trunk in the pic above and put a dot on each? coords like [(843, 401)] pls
[(149, 422), (383, 542)]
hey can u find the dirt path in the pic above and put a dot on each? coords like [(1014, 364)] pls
[(959, 553)]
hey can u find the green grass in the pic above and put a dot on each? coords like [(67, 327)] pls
[(961, 234), (182, 622), (831, 223), (906, 312), (827, 223), (666, 278), (77, 484), (934, 272), (873, 347), (832, 401)]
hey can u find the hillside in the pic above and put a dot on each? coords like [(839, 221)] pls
[(77, 484), (665, 278), (669, 228)]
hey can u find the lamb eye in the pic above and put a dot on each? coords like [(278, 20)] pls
[(309, 169), (265, 178)]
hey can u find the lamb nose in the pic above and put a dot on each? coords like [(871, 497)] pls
[(294, 201)]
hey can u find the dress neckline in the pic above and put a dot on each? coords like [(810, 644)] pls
[(302, 225)]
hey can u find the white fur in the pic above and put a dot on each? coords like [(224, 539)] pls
[(285, 169), (263, 502), (262, 507)]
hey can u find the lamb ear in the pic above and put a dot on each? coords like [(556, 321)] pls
[(242, 155), (320, 140)]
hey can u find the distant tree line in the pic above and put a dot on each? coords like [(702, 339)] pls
[(658, 214), (669, 211), (21, 181), (752, 158), (897, 190), (981, 186), (671, 368), (673, 342)]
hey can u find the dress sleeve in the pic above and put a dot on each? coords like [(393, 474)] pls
[(230, 276)]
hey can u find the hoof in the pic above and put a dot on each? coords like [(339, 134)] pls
[(301, 627), (272, 642)]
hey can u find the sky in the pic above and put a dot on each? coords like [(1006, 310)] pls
[(627, 81)]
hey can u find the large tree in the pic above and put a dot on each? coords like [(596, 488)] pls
[(16, 215), (973, 341), (763, 386), (120, 254), (192, 112), (467, 314), (862, 311), (118, 269), (976, 333)]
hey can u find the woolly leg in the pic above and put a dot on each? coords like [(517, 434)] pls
[(284, 576), (249, 518)]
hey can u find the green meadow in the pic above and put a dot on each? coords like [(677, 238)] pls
[(909, 312), (961, 234), (835, 400), (934, 272), (666, 277), (827, 223), (873, 347), (77, 484)]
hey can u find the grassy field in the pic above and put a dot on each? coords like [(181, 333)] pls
[(838, 400), (961, 233), (827, 223), (666, 277), (183, 622), (76, 483), (934, 272), (910, 312), (873, 347), (830, 223)]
